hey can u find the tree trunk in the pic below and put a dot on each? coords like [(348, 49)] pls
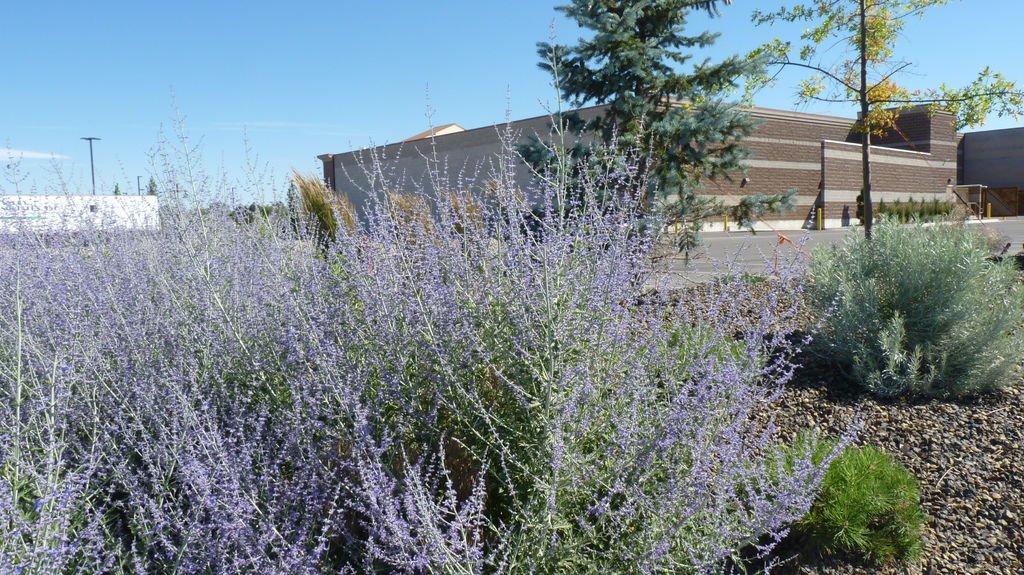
[(865, 125), (865, 158)]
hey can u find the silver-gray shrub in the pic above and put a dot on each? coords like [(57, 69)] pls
[(439, 390), (919, 310)]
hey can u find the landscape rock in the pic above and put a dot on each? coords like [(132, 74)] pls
[(968, 456)]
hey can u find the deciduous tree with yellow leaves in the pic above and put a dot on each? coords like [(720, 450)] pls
[(865, 72)]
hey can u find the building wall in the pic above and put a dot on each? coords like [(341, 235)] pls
[(921, 130), (896, 175), (786, 154), (817, 155), (468, 159), (994, 158), (820, 156), (78, 213)]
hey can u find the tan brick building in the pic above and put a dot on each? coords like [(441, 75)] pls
[(817, 155)]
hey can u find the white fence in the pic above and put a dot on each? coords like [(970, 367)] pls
[(78, 213)]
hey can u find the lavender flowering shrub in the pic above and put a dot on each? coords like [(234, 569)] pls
[(445, 388)]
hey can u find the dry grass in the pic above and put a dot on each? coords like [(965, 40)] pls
[(324, 208)]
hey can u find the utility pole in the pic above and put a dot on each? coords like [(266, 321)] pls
[(92, 166), (138, 184)]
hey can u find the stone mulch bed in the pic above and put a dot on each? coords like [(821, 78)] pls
[(967, 455)]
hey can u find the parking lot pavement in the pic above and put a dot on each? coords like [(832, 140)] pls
[(1009, 230), (739, 252)]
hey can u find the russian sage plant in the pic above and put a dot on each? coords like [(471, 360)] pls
[(447, 387), (919, 310)]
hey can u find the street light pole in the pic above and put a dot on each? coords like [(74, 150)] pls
[(92, 166)]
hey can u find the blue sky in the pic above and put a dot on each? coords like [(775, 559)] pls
[(289, 81)]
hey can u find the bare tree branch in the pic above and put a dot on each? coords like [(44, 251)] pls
[(897, 70), (818, 69), (965, 98)]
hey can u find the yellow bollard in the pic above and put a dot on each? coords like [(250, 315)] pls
[(988, 210), (725, 222), (821, 220)]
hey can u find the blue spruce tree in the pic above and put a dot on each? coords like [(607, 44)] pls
[(661, 103)]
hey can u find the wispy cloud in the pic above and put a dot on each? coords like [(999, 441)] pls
[(13, 154), (288, 128), (270, 125), (280, 126)]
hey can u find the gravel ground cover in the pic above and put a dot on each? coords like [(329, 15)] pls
[(967, 455)]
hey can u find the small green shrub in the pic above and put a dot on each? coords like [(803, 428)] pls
[(918, 310), (700, 345), (868, 506), (743, 277)]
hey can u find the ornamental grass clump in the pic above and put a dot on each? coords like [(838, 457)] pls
[(430, 392), (911, 210), (919, 310), (320, 209)]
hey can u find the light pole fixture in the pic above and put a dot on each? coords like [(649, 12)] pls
[(92, 166)]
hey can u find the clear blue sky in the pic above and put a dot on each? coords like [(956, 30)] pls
[(304, 78)]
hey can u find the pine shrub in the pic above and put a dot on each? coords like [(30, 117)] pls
[(869, 507), (918, 310)]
